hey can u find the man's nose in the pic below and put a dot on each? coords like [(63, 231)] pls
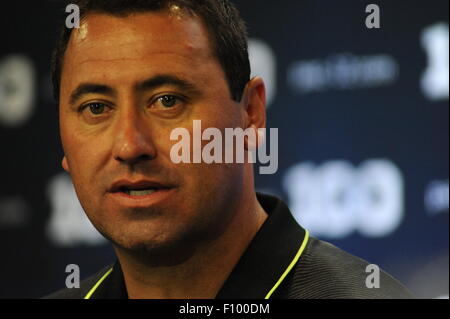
[(133, 142)]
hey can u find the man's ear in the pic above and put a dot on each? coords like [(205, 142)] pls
[(254, 100), (65, 165)]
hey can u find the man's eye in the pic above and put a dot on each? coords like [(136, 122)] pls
[(168, 101), (95, 108)]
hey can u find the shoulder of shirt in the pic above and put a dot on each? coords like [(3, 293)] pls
[(85, 286), (327, 272), (323, 272)]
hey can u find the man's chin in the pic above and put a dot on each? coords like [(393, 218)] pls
[(155, 253)]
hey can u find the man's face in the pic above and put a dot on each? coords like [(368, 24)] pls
[(127, 82)]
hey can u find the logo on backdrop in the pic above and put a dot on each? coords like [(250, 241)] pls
[(435, 83), (17, 90), (14, 212), (68, 225), (437, 198), (344, 71), (336, 199), (263, 63)]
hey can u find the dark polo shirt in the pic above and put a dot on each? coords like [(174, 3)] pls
[(283, 261)]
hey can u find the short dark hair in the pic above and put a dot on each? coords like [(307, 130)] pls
[(227, 33)]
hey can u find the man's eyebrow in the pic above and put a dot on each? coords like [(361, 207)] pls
[(88, 88), (167, 79), (148, 84)]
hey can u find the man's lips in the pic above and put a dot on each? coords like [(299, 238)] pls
[(124, 186), (140, 194)]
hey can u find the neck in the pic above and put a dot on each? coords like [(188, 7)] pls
[(202, 275)]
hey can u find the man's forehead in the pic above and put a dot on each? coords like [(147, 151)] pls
[(107, 37)]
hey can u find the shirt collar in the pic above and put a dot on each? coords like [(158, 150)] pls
[(261, 269), (269, 256)]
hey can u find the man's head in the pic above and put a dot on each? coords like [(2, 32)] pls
[(127, 81), (226, 30)]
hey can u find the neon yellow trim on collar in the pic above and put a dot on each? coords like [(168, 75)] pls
[(93, 289), (286, 272), (291, 265)]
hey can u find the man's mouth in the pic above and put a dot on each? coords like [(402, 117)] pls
[(138, 188), (139, 192)]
